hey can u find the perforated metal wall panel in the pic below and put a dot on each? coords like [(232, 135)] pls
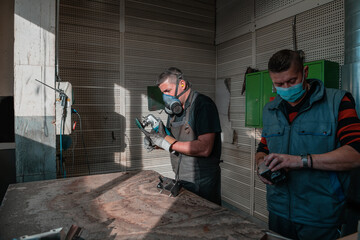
[(232, 14), (263, 7), (111, 51), (272, 38), (320, 33)]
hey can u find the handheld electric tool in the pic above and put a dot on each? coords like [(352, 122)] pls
[(151, 120)]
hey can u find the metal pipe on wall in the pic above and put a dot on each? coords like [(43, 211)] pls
[(351, 83), (351, 69), (57, 16)]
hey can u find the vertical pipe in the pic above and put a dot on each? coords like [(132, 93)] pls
[(57, 77), (351, 83), (351, 68)]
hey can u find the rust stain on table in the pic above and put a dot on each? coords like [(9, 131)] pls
[(117, 206)]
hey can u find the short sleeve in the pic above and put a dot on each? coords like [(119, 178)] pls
[(206, 116)]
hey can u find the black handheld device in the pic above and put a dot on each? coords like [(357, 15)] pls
[(274, 177)]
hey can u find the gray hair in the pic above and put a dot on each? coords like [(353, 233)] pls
[(172, 74)]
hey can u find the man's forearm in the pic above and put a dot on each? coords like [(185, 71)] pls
[(201, 147), (192, 148), (341, 159)]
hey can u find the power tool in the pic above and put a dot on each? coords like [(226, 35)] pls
[(151, 120)]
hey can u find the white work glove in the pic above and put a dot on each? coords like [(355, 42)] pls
[(148, 144), (161, 139)]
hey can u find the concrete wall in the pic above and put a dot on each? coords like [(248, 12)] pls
[(34, 58)]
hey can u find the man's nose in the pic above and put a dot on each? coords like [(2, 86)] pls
[(286, 85)]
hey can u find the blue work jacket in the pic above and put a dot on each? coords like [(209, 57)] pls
[(308, 196)]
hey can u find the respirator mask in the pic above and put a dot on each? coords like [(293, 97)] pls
[(173, 105)]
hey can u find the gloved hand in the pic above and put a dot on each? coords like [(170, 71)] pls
[(148, 144), (161, 139)]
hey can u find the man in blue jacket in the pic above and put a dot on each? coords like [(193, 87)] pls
[(313, 134)]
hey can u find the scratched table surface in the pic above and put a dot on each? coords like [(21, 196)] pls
[(125, 205)]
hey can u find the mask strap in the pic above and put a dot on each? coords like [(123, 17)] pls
[(303, 75), (182, 92), (177, 85), (303, 78)]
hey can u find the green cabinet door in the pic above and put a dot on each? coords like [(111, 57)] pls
[(268, 92), (253, 99), (326, 71), (315, 70)]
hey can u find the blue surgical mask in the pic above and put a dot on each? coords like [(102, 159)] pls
[(172, 105), (293, 93)]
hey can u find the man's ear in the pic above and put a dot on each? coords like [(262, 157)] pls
[(306, 71), (182, 84)]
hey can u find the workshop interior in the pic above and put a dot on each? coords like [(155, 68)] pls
[(78, 94)]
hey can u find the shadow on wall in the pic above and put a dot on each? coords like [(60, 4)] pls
[(82, 153)]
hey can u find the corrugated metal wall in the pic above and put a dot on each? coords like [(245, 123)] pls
[(319, 33), (111, 51)]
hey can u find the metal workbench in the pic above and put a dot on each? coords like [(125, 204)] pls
[(117, 206)]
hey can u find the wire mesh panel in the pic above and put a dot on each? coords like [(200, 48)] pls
[(89, 58)]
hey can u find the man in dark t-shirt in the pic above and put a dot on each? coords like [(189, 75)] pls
[(204, 118), (195, 148)]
